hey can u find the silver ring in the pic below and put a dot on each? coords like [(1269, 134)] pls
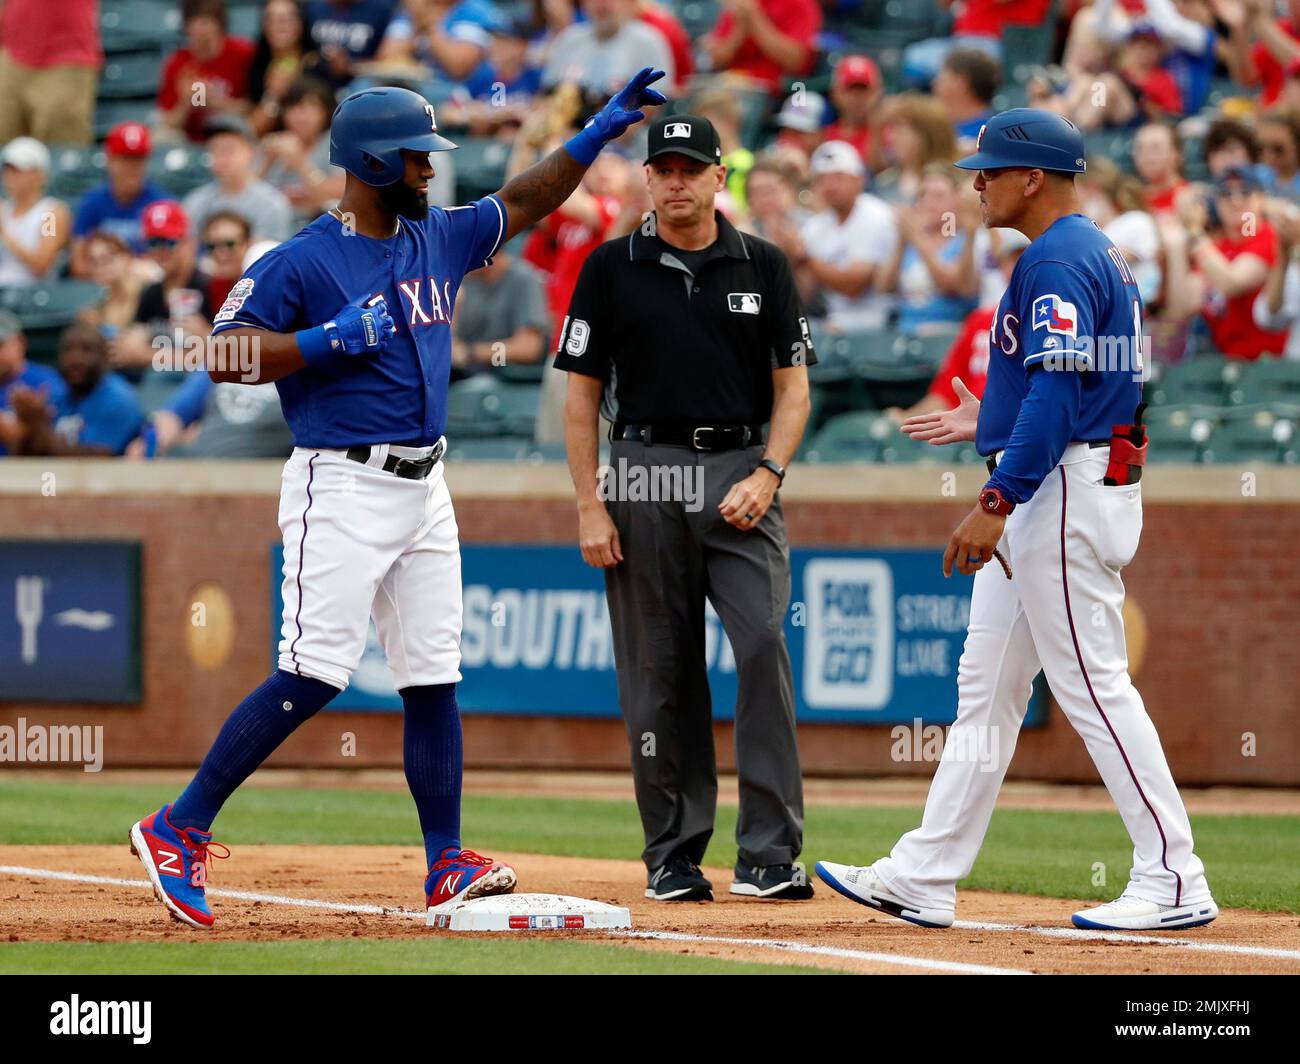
[(973, 558)]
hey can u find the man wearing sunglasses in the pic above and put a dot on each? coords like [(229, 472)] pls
[(1060, 428)]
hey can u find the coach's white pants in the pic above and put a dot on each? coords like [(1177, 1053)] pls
[(1066, 547), (359, 541)]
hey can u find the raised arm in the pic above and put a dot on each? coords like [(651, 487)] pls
[(532, 195)]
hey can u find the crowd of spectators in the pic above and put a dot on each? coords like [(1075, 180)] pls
[(841, 160)]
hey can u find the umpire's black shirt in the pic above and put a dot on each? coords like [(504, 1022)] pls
[(686, 337)]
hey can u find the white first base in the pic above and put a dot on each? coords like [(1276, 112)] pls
[(529, 912)]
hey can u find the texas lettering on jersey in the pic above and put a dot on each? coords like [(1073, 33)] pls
[(420, 294), (1071, 307), (396, 396)]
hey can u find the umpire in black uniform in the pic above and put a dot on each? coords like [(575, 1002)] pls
[(690, 337)]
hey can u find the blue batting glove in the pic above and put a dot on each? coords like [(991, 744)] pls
[(617, 116), (363, 327)]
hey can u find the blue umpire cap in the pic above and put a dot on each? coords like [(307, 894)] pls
[(370, 129), (1026, 137)]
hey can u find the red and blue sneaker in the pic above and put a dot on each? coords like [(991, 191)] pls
[(459, 875), (177, 862)]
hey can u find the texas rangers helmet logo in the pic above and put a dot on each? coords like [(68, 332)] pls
[(1054, 314), (677, 129), (979, 137)]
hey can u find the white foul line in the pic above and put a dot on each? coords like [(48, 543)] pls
[(959, 967), (1077, 934), (1083, 934), (238, 895)]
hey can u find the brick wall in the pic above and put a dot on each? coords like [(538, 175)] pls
[(1216, 580)]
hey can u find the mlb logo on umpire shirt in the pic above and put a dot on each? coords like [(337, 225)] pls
[(744, 302)]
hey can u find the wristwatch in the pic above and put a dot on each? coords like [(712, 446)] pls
[(772, 466), (991, 501)]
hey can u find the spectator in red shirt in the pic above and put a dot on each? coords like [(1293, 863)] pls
[(208, 73), (967, 361), (1277, 46), (672, 31), (765, 40), (49, 63), (1158, 160), (1233, 264), (1154, 89), (978, 24), (856, 92)]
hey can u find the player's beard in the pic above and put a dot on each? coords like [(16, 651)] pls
[(405, 201)]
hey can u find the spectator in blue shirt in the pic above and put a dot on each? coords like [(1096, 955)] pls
[(17, 373), (100, 414), (450, 36), (933, 265), (966, 85), (346, 32), (117, 205), (500, 92)]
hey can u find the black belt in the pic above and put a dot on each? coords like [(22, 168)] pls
[(697, 437), (406, 468), (992, 460)]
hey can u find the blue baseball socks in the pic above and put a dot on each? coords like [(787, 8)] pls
[(259, 724), (433, 755)]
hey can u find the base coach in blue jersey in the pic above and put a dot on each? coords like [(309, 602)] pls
[(1060, 427), (351, 319), (692, 335)]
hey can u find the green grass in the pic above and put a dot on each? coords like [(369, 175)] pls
[(367, 956), (1250, 859)]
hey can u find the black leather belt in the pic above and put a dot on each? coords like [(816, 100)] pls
[(406, 468), (992, 460), (697, 437)]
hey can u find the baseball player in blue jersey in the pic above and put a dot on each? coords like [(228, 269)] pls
[(351, 320), (1060, 427)]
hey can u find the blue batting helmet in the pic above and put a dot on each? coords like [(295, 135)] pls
[(1027, 137), (371, 128)]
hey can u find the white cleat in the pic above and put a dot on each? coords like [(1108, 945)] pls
[(866, 888), (1131, 913)]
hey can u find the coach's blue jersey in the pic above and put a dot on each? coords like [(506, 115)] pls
[(1072, 307), (399, 395)]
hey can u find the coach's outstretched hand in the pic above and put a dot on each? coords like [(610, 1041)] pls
[(947, 426), (363, 327), (614, 119)]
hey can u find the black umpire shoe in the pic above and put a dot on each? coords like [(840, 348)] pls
[(679, 880), (788, 882)]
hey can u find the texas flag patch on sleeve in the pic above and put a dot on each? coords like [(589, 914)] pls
[(1054, 314)]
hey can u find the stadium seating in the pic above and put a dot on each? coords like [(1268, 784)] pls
[(853, 437), (1208, 380), (480, 167), (139, 25), (180, 169), (74, 171), (46, 309), (129, 76), (487, 450), (518, 409), (1253, 434), (1270, 380), (1179, 433)]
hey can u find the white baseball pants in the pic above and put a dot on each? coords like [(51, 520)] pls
[(360, 542), (1061, 611)]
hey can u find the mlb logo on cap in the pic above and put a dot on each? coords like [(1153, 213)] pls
[(677, 129)]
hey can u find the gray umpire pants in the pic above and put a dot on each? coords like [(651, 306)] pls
[(676, 553)]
